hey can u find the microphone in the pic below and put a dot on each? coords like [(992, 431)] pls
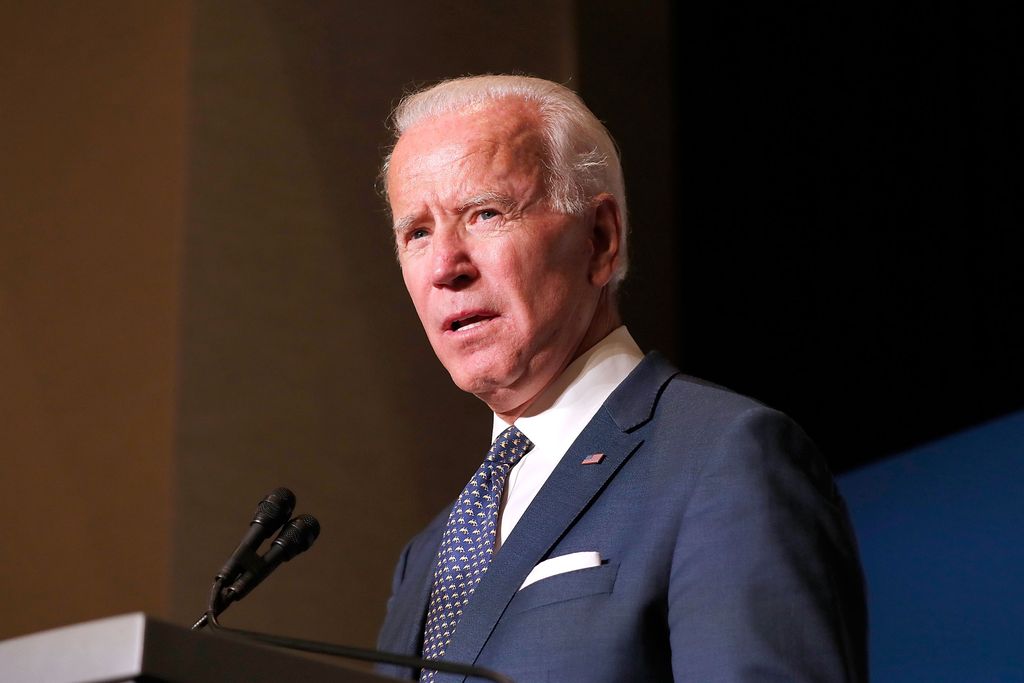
[(246, 570), (273, 511), (296, 537)]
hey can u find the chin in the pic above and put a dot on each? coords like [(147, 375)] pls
[(483, 382), (478, 385)]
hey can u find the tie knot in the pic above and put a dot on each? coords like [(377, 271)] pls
[(509, 447)]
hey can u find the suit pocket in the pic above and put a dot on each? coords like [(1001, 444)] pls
[(568, 586)]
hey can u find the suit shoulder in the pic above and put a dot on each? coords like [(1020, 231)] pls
[(725, 426), (692, 401), (703, 399), (656, 387), (692, 408)]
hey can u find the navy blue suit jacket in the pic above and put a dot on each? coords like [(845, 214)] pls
[(727, 554)]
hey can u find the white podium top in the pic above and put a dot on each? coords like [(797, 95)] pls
[(129, 646)]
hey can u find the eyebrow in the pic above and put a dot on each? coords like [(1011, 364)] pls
[(503, 200), (403, 224)]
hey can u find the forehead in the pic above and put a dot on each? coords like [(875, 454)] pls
[(494, 139)]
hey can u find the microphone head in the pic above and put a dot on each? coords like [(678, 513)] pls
[(275, 509), (298, 535)]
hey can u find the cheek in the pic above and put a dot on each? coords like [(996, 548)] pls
[(547, 308), (563, 302), (558, 273)]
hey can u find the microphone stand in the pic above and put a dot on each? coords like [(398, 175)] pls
[(210, 619), (215, 605)]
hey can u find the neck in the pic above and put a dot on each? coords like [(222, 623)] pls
[(606, 320)]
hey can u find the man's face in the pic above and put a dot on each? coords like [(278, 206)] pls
[(501, 282)]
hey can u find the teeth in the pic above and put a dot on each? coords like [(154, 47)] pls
[(467, 323)]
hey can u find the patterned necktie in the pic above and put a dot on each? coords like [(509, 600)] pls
[(468, 543)]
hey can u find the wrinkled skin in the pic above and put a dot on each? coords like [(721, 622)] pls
[(509, 291)]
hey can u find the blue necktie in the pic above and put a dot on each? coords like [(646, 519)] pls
[(468, 543)]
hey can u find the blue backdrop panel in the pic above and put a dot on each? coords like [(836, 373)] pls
[(941, 532)]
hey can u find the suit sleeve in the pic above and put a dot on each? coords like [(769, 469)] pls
[(765, 582), (399, 574), (384, 642)]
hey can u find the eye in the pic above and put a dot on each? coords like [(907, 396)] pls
[(485, 215), (412, 238)]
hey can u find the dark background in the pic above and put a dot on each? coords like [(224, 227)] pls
[(845, 203)]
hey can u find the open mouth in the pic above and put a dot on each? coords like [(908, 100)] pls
[(468, 322)]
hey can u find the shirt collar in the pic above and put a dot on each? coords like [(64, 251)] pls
[(568, 405)]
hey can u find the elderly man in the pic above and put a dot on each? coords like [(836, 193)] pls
[(629, 523)]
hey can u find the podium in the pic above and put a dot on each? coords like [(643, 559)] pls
[(134, 647)]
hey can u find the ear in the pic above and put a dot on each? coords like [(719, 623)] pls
[(604, 237)]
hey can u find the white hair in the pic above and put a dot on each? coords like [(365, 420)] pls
[(581, 158)]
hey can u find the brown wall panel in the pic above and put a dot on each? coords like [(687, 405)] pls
[(92, 176)]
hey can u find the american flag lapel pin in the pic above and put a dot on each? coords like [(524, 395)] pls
[(592, 459)]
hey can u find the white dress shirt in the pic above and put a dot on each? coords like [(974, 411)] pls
[(559, 415)]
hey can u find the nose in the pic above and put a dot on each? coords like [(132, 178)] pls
[(452, 264)]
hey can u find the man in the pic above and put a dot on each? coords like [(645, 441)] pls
[(629, 523)]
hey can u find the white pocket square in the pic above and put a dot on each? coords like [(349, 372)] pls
[(563, 564)]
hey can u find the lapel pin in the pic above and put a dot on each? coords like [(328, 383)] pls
[(592, 459)]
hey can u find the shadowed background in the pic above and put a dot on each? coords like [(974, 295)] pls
[(199, 301)]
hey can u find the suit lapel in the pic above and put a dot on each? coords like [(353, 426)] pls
[(566, 494)]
